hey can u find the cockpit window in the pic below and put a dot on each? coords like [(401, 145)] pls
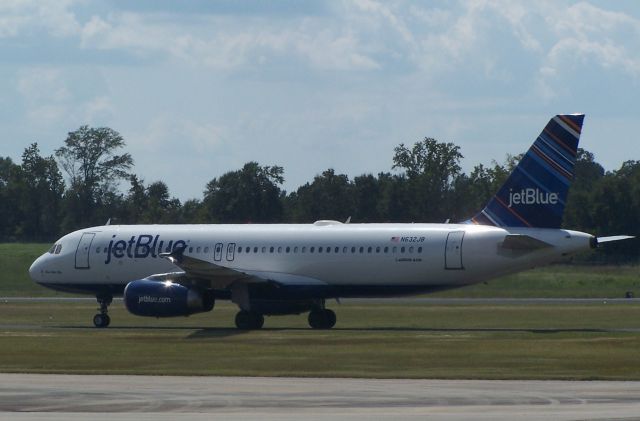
[(58, 249), (52, 249)]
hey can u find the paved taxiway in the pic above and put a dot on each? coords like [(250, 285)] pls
[(62, 397)]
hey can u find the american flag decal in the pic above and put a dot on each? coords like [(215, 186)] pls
[(395, 239)]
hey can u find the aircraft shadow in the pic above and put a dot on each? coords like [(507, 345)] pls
[(221, 332)]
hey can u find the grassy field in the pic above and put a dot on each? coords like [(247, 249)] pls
[(410, 340), (595, 341), (551, 281)]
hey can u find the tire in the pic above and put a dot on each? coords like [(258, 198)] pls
[(322, 319), (101, 320), (246, 320), (242, 320), (331, 318), (257, 321)]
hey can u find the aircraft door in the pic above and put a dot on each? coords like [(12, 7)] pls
[(453, 250), (82, 252), (217, 252), (231, 249)]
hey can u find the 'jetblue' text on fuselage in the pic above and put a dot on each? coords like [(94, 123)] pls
[(139, 247)]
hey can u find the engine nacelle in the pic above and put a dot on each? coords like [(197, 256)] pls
[(165, 299)]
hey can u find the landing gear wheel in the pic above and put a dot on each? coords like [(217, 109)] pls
[(101, 320), (322, 319), (248, 320)]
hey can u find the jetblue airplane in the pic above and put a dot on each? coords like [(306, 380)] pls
[(275, 269)]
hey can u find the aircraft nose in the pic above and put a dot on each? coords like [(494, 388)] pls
[(35, 271)]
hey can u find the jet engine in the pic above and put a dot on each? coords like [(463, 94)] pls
[(145, 297)]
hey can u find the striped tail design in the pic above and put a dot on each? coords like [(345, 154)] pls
[(535, 193)]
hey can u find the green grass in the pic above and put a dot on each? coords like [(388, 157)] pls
[(15, 260), (557, 281), (370, 340), (550, 281)]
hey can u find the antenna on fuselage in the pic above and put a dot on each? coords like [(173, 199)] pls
[(348, 220), (108, 221)]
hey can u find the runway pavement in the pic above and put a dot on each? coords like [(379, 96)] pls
[(389, 300), (63, 397)]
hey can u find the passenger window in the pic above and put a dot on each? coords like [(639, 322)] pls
[(344, 249), (361, 249), (198, 250), (304, 249), (395, 249), (247, 249), (411, 249), (337, 250), (402, 250), (280, 249), (271, 249), (311, 250), (105, 250), (295, 249), (264, 249), (255, 249), (288, 249), (386, 249), (98, 250), (190, 249), (239, 249), (377, 249), (353, 249), (419, 249), (319, 249), (369, 249), (328, 249), (206, 249)]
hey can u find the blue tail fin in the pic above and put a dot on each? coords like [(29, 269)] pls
[(535, 193)]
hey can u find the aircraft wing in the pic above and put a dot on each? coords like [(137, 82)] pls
[(219, 276)]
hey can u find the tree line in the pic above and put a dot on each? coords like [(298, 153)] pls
[(80, 185)]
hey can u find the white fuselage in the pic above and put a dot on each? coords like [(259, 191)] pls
[(325, 253)]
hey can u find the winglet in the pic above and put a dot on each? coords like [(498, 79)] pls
[(176, 255), (535, 193)]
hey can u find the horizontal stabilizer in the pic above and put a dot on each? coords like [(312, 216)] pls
[(614, 238), (523, 242)]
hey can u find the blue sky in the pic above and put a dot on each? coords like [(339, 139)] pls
[(199, 88)]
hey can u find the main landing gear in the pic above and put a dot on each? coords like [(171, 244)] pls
[(249, 320), (322, 318), (102, 319)]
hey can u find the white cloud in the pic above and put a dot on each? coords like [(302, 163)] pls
[(29, 16), (219, 43)]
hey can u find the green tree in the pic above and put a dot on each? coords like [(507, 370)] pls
[(92, 161), (161, 207), (579, 210), (9, 199), (329, 196), (251, 194), (40, 189), (431, 168)]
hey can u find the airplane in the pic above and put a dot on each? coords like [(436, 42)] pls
[(278, 269)]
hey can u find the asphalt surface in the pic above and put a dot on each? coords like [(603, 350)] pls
[(104, 397)]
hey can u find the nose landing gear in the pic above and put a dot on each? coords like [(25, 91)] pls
[(102, 319)]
